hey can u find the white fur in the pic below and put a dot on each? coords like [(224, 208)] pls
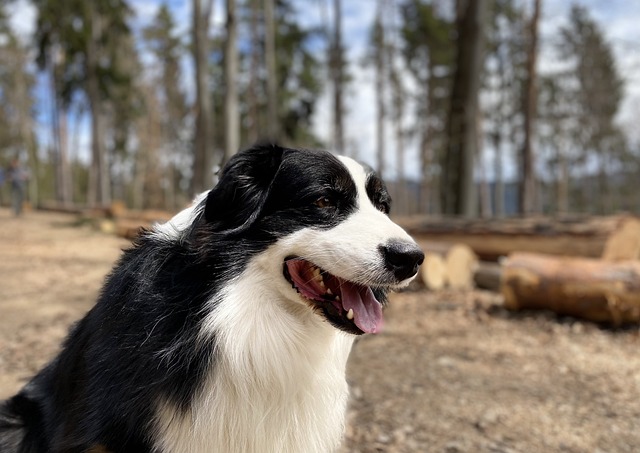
[(171, 230), (278, 385)]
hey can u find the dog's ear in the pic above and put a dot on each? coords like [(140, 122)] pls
[(237, 200)]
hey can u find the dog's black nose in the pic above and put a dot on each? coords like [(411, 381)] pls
[(402, 258)]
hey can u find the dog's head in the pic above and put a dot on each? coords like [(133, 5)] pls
[(323, 221)]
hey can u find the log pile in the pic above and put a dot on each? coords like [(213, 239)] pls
[(451, 265), (589, 270), (597, 290), (492, 239)]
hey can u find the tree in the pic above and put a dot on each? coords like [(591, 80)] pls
[(458, 194), (429, 54), (232, 118), (203, 140), (336, 69), (502, 83), (378, 55), (84, 32), (527, 190), (169, 96), (597, 91), (273, 129), (17, 135)]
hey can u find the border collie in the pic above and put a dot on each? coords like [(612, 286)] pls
[(227, 329)]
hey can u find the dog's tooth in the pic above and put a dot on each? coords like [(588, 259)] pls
[(350, 314), (329, 292), (321, 283), (338, 298)]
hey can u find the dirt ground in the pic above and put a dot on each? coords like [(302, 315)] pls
[(452, 372)]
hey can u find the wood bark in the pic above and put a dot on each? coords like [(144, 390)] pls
[(337, 76), (529, 104), (232, 115), (203, 140), (381, 113), (254, 75), (458, 190), (488, 276), (272, 75), (591, 289), (99, 174), (490, 238)]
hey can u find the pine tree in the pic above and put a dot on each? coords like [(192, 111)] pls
[(457, 186), (84, 32), (429, 54), (597, 92), (167, 93)]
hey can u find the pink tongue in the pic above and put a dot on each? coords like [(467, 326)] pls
[(366, 309)]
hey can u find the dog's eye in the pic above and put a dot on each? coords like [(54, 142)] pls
[(324, 202)]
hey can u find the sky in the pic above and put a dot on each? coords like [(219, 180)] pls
[(618, 19)]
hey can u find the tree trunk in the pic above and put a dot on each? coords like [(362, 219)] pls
[(457, 183), (528, 180), (203, 140), (272, 75), (99, 181), (563, 183), (498, 197), (232, 117), (380, 91), (337, 62), (254, 75)]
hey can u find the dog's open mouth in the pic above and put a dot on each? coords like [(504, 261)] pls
[(349, 306)]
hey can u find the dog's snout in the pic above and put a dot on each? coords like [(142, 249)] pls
[(402, 258)]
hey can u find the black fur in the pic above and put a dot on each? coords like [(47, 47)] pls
[(138, 343)]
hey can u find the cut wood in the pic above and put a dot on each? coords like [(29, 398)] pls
[(461, 264), (624, 242), (596, 290), (447, 264), (433, 271), (491, 239)]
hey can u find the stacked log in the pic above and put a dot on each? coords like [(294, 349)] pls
[(597, 290), (492, 239), (445, 265)]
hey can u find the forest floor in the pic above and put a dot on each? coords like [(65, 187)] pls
[(452, 371)]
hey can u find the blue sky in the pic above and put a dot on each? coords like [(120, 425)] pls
[(619, 20)]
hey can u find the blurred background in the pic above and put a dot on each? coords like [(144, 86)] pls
[(478, 108)]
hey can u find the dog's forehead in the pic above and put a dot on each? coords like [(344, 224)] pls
[(357, 171)]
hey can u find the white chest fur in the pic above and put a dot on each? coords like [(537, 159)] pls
[(278, 385)]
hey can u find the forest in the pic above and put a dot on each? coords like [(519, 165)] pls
[(101, 106)]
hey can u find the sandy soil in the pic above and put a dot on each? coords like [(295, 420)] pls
[(453, 372)]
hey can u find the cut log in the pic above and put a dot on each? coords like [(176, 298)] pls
[(461, 264), (488, 276), (433, 271), (447, 264), (623, 243), (491, 239), (592, 289)]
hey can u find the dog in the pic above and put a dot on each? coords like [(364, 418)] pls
[(228, 328)]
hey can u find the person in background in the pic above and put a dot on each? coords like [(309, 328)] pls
[(17, 177)]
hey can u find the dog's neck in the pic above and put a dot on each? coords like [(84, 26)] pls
[(278, 382)]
